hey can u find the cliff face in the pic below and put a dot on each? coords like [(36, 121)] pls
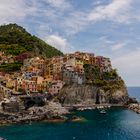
[(89, 95)]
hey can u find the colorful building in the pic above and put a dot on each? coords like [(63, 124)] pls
[(56, 86)]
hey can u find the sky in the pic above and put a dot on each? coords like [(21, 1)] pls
[(110, 28)]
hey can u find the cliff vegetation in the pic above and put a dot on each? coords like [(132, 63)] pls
[(108, 81)]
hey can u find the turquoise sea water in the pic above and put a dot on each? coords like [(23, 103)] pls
[(134, 92), (117, 124)]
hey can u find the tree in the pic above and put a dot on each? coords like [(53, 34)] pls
[(92, 72)]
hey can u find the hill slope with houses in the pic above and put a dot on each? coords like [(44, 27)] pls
[(17, 44), (67, 79)]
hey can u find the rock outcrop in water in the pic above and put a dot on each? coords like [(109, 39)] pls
[(135, 107), (90, 95)]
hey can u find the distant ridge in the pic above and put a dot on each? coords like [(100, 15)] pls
[(15, 40)]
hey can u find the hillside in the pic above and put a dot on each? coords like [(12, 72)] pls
[(15, 40)]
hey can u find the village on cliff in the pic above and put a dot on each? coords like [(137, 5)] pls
[(38, 80), (48, 75)]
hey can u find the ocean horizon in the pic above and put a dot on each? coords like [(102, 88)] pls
[(134, 92)]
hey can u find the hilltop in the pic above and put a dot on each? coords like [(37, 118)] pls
[(15, 40)]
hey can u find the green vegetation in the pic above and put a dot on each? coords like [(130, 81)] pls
[(113, 85), (10, 67), (110, 75), (13, 49), (92, 72), (106, 80), (16, 40)]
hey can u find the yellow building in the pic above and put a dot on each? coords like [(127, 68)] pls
[(49, 70), (79, 63), (38, 79), (10, 84)]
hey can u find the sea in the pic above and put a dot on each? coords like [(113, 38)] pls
[(118, 124)]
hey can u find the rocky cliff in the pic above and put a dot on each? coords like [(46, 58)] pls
[(90, 95)]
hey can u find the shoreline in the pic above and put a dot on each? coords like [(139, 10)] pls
[(58, 119), (135, 107), (92, 107), (17, 118)]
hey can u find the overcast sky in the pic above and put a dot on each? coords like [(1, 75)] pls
[(105, 27)]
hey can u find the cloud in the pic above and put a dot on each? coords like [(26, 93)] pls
[(61, 4), (11, 9), (61, 14), (17, 10), (58, 42), (74, 22), (117, 11), (98, 2), (129, 66), (118, 46)]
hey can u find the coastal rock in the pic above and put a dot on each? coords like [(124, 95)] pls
[(52, 111), (88, 95), (76, 119), (135, 107), (119, 96), (51, 108), (132, 101)]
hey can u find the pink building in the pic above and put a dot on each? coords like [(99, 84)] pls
[(56, 87), (29, 86), (1, 53), (103, 63)]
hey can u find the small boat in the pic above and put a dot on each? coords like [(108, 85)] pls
[(102, 112), (30, 122), (100, 107), (2, 138)]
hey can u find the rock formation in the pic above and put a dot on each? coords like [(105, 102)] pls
[(90, 95)]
